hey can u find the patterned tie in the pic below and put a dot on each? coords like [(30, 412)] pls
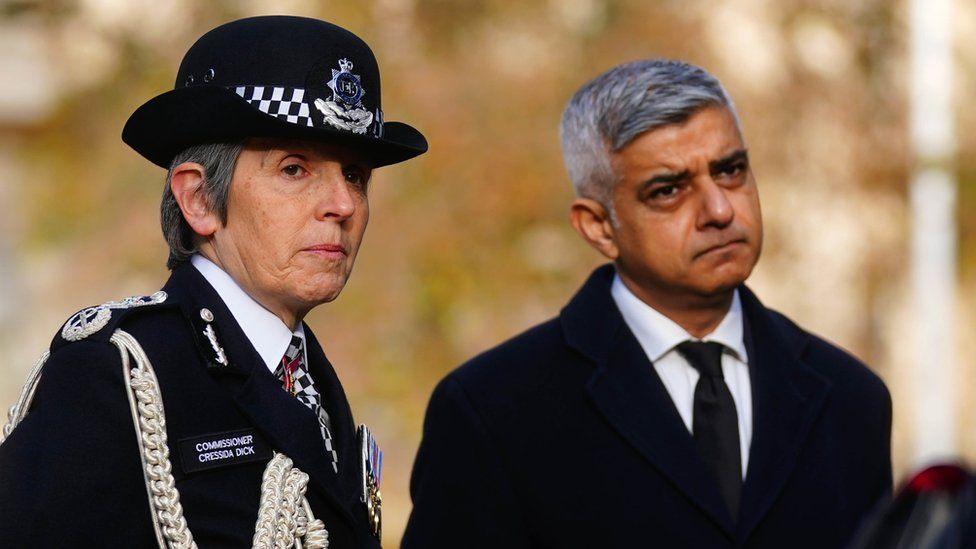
[(296, 379), (715, 422)]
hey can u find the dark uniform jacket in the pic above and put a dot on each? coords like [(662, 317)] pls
[(565, 437), (71, 475)]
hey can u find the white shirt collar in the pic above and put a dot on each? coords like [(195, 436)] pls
[(658, 334), (266, 332)]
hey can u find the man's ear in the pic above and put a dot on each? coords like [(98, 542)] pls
[(186, 183), (592, 221)]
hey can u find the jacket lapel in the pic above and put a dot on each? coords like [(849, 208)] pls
[(628, 393), (787, 397), (340, 415), (284, 421), (291, 429)]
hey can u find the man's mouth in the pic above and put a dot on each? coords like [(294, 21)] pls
[(722, 247)]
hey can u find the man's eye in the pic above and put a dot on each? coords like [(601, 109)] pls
[(664, 191), (293, 170), (733, 170)]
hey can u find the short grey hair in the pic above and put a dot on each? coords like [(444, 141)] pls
[(611, 110), (218, 161)]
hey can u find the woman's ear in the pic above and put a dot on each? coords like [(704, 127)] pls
[(186, 184)]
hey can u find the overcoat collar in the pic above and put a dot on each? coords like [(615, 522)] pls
[(284, 421), (787, 397)]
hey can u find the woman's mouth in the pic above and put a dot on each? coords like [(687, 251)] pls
[(327, 251)]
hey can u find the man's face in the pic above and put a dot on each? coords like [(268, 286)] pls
[(296, 215), (687, 207)]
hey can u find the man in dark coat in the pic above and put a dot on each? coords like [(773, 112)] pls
[(665, 406), (207, 413)]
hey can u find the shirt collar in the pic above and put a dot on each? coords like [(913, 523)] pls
[(266, 332), (658, 334)]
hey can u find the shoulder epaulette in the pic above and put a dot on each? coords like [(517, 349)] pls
[(100, 321)]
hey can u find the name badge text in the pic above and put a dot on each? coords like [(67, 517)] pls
[(222, 449)]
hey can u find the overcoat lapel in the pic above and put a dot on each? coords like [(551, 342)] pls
[(632, 397), (787, 397), (284, 421), (627, 391)]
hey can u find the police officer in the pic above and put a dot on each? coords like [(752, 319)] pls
[(206, 413), (665, 406)]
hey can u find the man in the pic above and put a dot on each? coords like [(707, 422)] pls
[(665, 406), (207, 414)]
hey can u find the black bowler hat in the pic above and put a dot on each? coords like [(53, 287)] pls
[(273, 76)]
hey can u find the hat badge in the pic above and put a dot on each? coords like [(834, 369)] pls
[(345, 109)]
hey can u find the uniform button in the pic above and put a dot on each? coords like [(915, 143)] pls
[(208, 76), (206, 315)]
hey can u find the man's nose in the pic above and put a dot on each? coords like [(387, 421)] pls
[(716, 208), (336, 198)]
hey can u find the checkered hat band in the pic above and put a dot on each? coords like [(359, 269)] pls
[(282, 102)]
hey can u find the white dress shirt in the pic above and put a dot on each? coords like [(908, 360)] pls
[(266, 332), (659, 336)]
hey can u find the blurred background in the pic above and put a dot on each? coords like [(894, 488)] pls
[(870, 217)]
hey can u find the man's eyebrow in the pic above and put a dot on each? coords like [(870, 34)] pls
[(729, 159), (667, 177)]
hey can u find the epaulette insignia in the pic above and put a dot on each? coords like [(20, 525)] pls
[(89, 321)]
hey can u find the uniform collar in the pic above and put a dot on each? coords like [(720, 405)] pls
[(658, 334), (266, 332)]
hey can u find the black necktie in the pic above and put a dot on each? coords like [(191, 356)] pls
[(715, 424)]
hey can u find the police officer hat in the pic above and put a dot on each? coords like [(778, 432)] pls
[(273, 76)]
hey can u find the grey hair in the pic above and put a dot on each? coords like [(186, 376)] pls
[(611, 110), (218, 161)]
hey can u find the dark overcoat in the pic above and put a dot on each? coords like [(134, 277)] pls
[(71, 474), (565, 437)]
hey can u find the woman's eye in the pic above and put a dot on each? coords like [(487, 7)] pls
[(293, 170), (355, 177)]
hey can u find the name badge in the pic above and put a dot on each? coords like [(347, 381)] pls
[(222, 449)]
